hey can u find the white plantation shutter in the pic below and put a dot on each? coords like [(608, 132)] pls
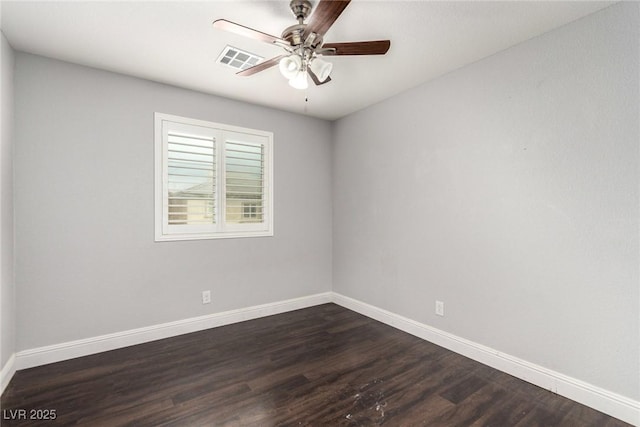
[(191, 173), (244, 181), (212, 180)]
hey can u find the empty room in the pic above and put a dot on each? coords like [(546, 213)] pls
[(320, 213)]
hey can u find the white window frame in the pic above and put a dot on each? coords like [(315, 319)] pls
[(222, 133)]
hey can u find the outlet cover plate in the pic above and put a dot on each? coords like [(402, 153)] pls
[(440, 308), (206, 297)]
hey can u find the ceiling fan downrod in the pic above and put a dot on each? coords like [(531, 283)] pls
[(300, 9)]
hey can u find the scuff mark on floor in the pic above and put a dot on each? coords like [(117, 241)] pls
[(369, 404)]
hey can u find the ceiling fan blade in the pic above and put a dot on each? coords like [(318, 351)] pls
[(326, 13), (232, 27), (261, 66), (315, 78), (374, 47)]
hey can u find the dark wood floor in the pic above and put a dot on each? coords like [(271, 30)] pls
[(321, 366)]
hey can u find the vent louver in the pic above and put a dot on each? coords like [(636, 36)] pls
[(238, 58)]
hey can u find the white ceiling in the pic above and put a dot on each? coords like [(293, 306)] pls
[(175, 43)]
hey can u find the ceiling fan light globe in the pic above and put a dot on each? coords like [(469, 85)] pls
[(289, 66), (299, 81), (322, 69)]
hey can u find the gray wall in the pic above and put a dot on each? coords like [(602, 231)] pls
[(509, 190), (7, 314), (87, 263)]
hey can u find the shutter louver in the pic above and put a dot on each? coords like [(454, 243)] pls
[(191, 174), (245, 182)]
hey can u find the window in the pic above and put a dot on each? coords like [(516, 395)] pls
[(212, 180), (250, 211)]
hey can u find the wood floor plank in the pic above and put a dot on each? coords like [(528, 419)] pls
[(321, 366)]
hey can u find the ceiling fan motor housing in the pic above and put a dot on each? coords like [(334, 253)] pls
[(294, 34)]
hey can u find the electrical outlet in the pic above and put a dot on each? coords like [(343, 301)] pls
[(439, 308), (206, 297)]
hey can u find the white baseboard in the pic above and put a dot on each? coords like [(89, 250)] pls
[(84, 347), (613, 404), (7, 372)]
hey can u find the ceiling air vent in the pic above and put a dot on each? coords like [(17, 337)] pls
[(238, 58)]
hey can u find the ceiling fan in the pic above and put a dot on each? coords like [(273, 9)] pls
[(304, 45)]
